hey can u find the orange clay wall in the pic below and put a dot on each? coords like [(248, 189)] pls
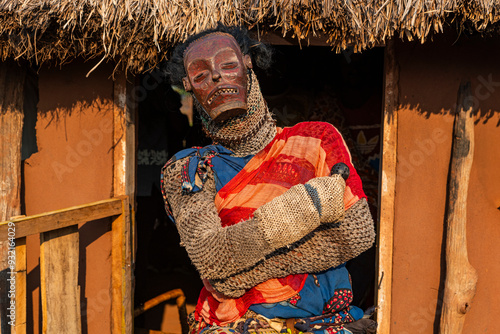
[(73, 166), (430, 76)]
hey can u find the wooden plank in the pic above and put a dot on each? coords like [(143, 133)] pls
[(62, 218), (132, 110), (12, 78), (59, 255), (124, 116), (124, 134), (180, 300), (121, 274), (20, 298), (461, 277), (171, 294), (387, 191)]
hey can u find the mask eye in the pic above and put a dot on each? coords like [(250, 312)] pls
[(199, 77), (229, 66)]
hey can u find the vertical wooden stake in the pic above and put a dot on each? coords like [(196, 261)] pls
[(387, 190), (121, 273), (461, 277), (21, 301), (124, 184), (12, 77)]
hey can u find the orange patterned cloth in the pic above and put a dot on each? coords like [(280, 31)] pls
[(294, 156)]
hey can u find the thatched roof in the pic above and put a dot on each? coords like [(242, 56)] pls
[(139, 33)]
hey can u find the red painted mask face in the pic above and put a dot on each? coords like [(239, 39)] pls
[(217, 75)]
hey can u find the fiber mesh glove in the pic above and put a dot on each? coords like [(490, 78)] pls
[(301, 209), (327, 194)]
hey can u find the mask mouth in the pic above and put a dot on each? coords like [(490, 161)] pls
[(221, 91)]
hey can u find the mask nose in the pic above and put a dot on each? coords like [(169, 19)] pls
[(215, 75)]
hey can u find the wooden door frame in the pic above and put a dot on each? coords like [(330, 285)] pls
[(124, 183), (387, 190)]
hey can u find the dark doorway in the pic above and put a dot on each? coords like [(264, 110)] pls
[(161, 264)]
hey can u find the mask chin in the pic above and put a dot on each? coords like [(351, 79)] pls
[(228, 111)]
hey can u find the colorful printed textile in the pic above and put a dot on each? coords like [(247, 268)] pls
[(327, 294), (250, 323), (322, 293), (295, 156)]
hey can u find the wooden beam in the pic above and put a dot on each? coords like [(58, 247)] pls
[(62, 218), (461, 277), (387, 190), (121, 273), (20, 298), (124, 134), (12, 78), (59, 256), (180, 300), (124, 139)]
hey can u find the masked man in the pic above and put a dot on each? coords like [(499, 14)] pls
[(265, 224)]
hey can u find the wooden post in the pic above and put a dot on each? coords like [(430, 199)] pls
[(178, 294), (12, 77), (121, 273), (124, 139), (59, 256), (461, 277), (21, 301), (124, 184), (387, 189)]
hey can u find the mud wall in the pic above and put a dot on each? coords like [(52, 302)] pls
[(73, 166), (430, 76)]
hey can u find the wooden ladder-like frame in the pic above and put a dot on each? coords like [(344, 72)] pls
[(59, 254)]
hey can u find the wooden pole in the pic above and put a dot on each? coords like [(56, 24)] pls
[(461, 277), (21, 300), (12, 77), (180, 300), (124, 120), (121, 273), (59, 255), (387, 190)]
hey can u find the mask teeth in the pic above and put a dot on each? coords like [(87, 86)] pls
[(222, 91)]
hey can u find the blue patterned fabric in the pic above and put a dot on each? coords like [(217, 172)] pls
[(224, 165), (194, 170), (323, 302)]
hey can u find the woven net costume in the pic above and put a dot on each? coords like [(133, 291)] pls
[(266, 226)]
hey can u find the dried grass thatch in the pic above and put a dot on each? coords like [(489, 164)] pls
[(138, 33)]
